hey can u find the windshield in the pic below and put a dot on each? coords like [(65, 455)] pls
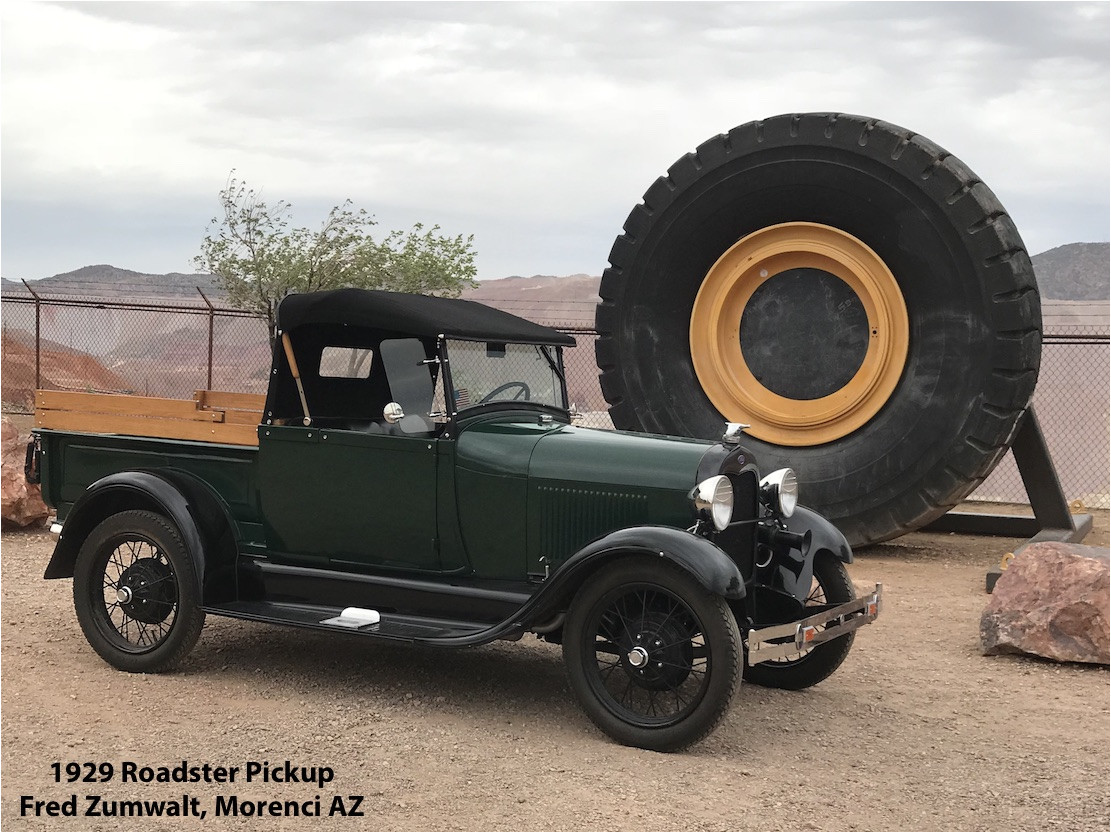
[(483, 372)]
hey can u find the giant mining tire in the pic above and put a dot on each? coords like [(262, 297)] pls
[(849, 289)]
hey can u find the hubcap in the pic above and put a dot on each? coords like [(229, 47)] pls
[(659, 655), (638, 657), (651, 663), (146, 591), (811, 260)]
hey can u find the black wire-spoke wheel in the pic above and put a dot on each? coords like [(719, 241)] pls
[(653, 665), (652, 656), (830, 585), (140, 594), (135, 592)]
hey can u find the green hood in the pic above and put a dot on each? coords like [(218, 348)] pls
[(558, 487), (584, 483), (617, 459)]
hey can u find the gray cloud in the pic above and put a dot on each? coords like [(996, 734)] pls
[(537, 126)]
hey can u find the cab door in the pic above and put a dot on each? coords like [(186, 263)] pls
[(349, 498)]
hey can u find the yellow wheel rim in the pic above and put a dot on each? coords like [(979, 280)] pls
[(716, 346)]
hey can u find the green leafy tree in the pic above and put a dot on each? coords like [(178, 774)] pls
[(259, 259)]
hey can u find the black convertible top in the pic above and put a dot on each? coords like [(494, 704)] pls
[(418, 315)]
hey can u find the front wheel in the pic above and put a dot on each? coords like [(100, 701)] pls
[(653, 658), (135, 593), (831, 585)]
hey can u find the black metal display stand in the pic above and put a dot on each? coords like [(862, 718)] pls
[(1052, 520)]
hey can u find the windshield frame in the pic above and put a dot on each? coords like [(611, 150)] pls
[(555, 361)]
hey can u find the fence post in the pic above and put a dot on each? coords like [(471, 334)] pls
[(211, 325), (38, 318)]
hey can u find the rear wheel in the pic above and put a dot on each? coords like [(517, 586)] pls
[(135, 592), (653, 658)]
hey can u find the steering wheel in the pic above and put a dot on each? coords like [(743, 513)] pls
[(523, 392)]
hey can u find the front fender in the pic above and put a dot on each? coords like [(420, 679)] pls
[(704, 561), (824, 535), (794, 570), (199, 515), (709, 565)]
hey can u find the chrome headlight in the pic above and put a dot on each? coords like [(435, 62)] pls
[(780, 491), (714, 497)]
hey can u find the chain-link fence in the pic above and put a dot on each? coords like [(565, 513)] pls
[(1071, 401), (112, 346), (173, 349)]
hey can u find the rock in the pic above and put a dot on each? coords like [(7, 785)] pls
[(1052, 601), (20, 503)]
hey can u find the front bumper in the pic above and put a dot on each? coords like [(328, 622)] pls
[(779, 641)]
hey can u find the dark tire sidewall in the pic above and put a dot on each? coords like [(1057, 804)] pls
[(88, 581), (913, 459)]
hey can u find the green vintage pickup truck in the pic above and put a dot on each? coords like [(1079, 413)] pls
[(414, 475)]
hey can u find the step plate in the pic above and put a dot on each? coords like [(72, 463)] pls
[(392, 626)]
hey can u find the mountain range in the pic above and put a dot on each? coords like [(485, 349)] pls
[(1073, 272), (104, 280)]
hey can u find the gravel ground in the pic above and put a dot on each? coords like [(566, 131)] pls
[(917, 731)]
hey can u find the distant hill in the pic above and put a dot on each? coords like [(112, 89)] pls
[(1075, 272), (103, 280), (563, 302)]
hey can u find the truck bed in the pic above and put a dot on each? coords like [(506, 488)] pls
[(210, 416), (87, 436)]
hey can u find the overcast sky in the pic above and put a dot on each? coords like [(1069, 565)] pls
[(534, 126)]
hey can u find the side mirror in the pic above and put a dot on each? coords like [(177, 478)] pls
[(393, 413)]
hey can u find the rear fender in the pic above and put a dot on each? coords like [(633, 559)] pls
[(704, 561), (201, 517)]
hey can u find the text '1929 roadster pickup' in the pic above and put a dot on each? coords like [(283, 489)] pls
[(415, 475)]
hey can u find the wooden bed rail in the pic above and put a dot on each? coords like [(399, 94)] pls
[(210, 416)]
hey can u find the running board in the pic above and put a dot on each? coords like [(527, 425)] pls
[(391, 626)]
